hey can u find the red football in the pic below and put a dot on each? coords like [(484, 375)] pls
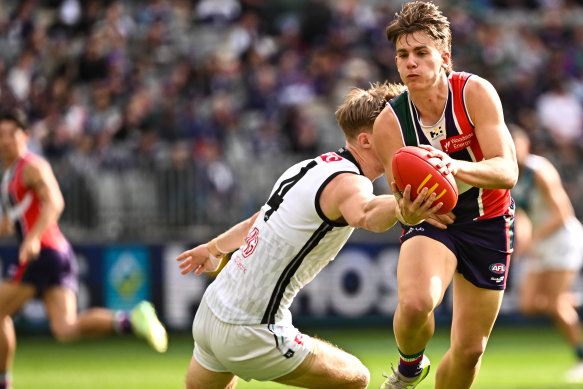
[(412, 165)]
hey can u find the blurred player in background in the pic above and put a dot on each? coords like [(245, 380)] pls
[(46, 266), (243, 326), (550, 239), (460, 116)]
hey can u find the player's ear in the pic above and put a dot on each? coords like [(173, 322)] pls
[(365, 139), (446, 57)]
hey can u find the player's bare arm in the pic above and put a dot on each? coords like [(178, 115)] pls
[(6, 226), (560, 208), (498, 170), (349, 197), (39, 177), (207, 256)]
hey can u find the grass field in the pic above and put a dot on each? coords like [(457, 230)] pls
[(525, 358)]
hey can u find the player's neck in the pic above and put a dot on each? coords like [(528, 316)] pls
[(430, 102), (9, 160), (366, 161)]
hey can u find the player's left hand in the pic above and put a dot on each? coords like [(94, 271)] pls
[(199, 260), (415, 211), (29, 250)]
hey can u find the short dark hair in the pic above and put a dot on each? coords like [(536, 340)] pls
[(15, 115)]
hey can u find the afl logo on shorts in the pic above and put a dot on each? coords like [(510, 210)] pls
[(498, 268)]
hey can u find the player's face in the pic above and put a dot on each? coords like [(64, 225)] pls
[(12, 141), (419, 61)]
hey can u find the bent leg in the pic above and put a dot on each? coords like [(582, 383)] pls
[(328, 366), (424, 272), (198, 377), (474, 313), (61, 304), (12, 297), (532, 297), (561, 306)]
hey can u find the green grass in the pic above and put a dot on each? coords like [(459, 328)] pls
[(516, 358)]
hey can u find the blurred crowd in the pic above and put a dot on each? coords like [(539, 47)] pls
[(170, 117)]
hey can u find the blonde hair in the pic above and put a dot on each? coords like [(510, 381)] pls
[(361, 107), (422, 16)]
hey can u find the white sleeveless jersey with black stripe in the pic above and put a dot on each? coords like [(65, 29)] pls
[(287, 246)]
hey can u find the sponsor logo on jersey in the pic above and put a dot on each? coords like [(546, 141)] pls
[(456, 143), (436, 133), (498, 268), (299, 339)]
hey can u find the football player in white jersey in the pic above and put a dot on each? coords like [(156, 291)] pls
[(243, 326), (550, 240)]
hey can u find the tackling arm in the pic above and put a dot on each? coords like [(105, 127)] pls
[(350, 197), (208, 256)]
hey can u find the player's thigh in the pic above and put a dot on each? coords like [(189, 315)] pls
[(61, 304), (425, 267), (198, 377), (328, 366), (532, 287), (13, 295), (474, 312), (558, 282)]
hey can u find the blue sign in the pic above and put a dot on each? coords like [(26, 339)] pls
[(127, 276)]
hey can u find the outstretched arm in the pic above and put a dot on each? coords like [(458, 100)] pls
[(207, 256), (350, 197)]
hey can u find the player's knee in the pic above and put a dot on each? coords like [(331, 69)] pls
[(415, 309), (470, 356), (360, 377), (527, 308), (532, 306), (363, 379), (64, 333)]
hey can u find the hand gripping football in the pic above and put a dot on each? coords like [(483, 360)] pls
[(412, 165)]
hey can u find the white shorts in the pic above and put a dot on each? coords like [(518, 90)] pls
[(251, 352), (563, 250)]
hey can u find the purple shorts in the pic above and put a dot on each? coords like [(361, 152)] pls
[(482, 247), (51, 268)]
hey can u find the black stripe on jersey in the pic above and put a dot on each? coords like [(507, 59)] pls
[(344, 153), (317, 200), (277, 198), (290, 270)]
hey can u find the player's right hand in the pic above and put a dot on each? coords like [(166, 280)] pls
[(198, 259)]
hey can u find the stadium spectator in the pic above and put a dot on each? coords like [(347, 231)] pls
[(168, 52), (458, 117), (550, 240), (45, 266), (312, 210)]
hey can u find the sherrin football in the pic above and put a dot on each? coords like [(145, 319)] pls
[(412, 165)]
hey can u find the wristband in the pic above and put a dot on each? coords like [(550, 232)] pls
[(214, 250), (401, 218), (214, 263)]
